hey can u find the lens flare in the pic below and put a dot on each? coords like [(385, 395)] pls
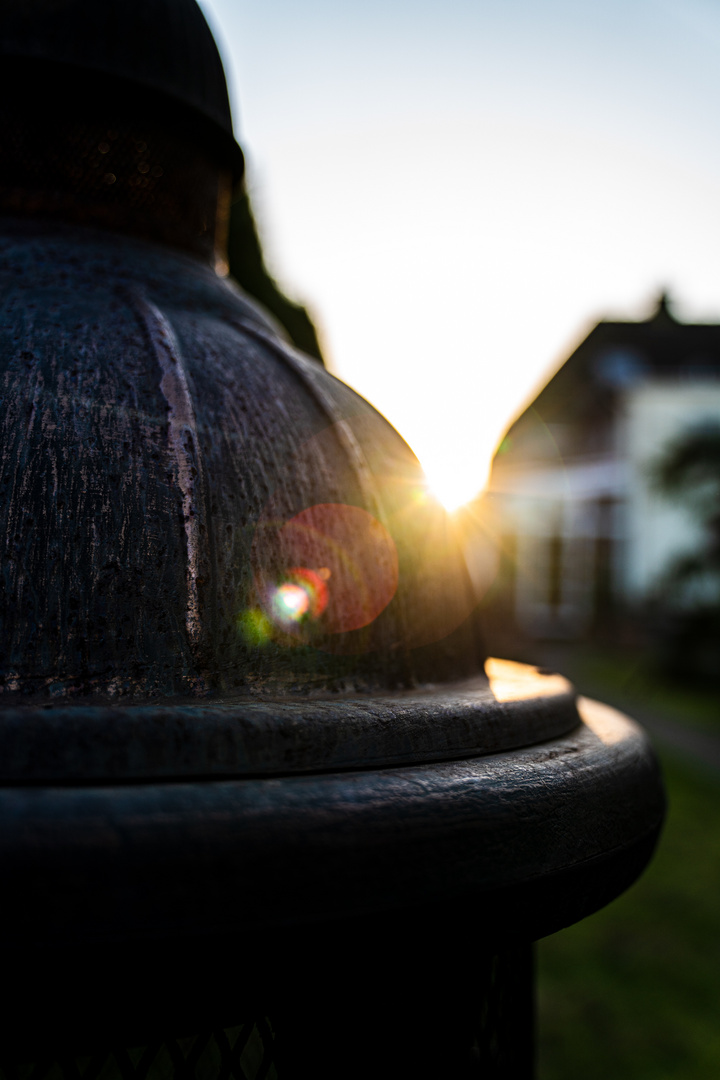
[(330, 569), (290, 602), (255, 628), (303, 594)]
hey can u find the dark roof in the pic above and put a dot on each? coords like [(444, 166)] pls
[(616, 354)]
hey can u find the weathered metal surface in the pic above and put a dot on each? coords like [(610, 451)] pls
[(152, 175), (235, 737), (162, 46), (152, 423), (102, 863)]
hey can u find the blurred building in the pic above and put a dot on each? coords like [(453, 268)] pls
[(582, 530)]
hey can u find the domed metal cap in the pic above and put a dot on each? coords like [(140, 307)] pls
[(163, 46)]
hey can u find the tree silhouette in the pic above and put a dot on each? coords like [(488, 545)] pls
[(247, 266), (689, 472)]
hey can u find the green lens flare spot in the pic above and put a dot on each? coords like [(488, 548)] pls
[(255, 627)]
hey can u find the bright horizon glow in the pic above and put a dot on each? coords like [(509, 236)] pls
[(459, 194), (452, 487)]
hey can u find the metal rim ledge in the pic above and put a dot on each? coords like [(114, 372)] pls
[(530, 839)]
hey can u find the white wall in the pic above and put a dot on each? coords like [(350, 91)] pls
[(539, 503)]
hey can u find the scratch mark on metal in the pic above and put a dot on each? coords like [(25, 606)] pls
[(182, 436)]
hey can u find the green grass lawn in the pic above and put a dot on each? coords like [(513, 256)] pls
[(634, 991), (608, 673)]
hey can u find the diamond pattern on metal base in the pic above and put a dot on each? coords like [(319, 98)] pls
[(245, 1052)]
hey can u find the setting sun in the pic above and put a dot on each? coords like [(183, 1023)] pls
[(455, 487)]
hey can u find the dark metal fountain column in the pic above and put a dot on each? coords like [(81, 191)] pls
[(264, 803)]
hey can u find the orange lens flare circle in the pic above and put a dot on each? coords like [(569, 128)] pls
[(338, 570)]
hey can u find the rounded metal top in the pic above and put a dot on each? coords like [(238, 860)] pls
[(190, 508), (161, 46)]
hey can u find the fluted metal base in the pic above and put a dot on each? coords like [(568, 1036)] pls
[(392, 905), (458, 1017)]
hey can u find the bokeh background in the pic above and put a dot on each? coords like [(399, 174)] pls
[(459, 194), (460, 190)]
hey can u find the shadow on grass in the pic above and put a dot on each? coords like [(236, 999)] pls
[(634, 991)]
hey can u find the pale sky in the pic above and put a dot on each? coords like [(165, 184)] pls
[(458, 191)]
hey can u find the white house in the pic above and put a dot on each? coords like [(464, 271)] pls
[(571, 503)]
